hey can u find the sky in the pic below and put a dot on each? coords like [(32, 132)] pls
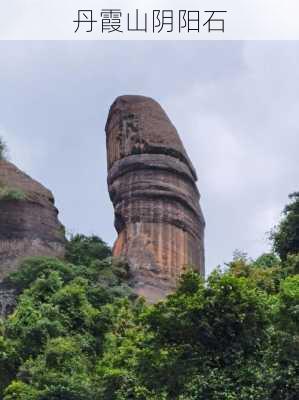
[(234, 104)]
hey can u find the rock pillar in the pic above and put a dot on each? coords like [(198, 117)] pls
[(152, 184)]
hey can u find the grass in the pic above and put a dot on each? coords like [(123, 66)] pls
[(9, 194)]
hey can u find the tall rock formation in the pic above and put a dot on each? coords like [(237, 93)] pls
[(152, 184), (28, 220)]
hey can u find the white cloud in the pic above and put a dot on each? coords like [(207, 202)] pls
[(235, 106), (242, 134), (23, 152)]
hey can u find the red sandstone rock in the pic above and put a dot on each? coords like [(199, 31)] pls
[(28, 220), (152, 186)]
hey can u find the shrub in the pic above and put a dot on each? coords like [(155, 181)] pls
[(12, 194), (82, 250), (3, 149), (286, 235)]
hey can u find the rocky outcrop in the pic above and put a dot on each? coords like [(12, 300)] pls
[(28, 220), (152, 184), (7, 299)]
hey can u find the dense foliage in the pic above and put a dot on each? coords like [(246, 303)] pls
[(83, 250), (286, 235), (79, 333), (7, 193)]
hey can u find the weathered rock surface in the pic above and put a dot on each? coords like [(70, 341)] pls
[(7, 299), (28, 220), (152, 184)]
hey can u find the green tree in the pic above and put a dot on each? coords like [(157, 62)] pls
[(204, 341), (3, 149), (286, 236), (50, 343), (79, 333), (81, 249), (264, 273), (285, 354)]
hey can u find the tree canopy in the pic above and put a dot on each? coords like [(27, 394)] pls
[(286, 235), (78, 331)]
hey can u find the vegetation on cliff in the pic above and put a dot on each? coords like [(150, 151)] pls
[(7, 193), (2, 149), (79, 333)]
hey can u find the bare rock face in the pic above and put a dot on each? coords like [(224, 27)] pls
[(28, 220), (152, 185), (7, 299)]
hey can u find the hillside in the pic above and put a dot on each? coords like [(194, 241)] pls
[(78, 331)]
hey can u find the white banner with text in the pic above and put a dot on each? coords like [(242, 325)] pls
[(149, 20)]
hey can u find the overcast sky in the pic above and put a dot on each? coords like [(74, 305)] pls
[(235, 105)]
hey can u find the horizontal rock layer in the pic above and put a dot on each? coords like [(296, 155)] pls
[(152, 184), (29, 224)]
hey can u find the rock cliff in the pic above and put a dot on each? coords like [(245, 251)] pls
[(28, 220), (152, 184)]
